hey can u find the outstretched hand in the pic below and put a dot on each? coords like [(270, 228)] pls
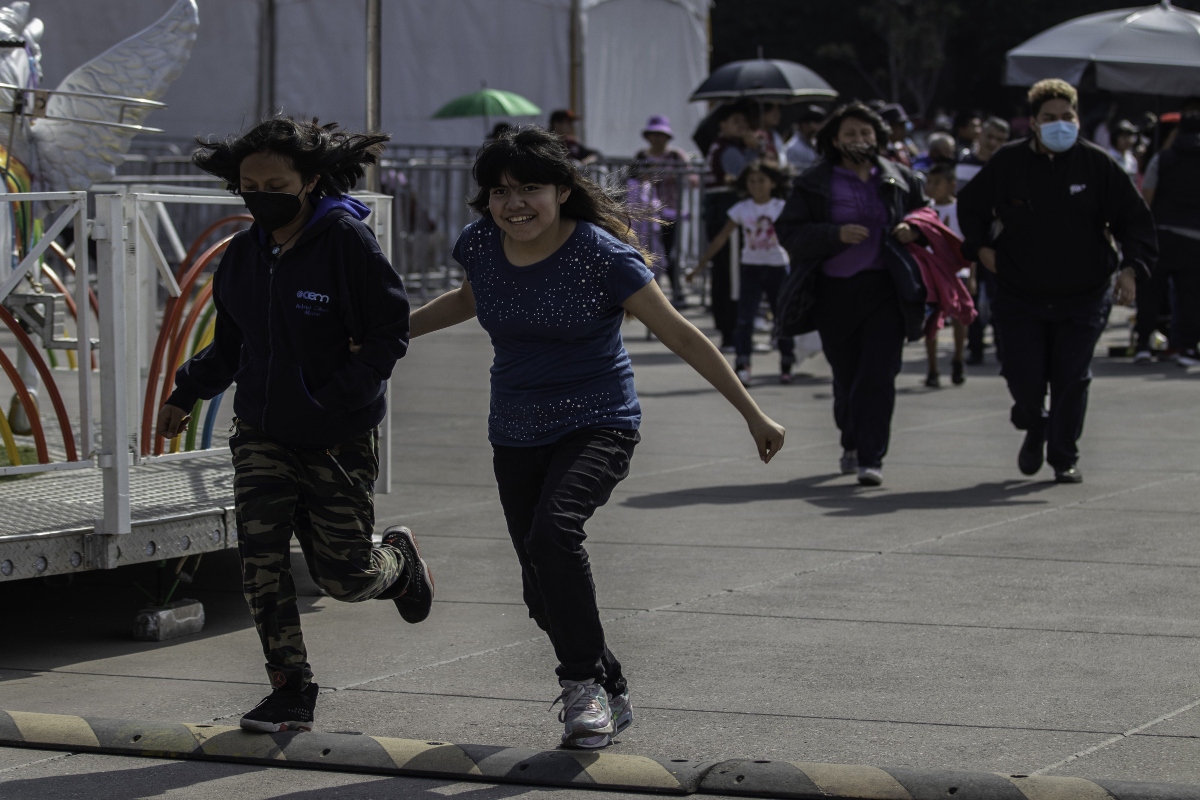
[(768, 437), (172, 420)]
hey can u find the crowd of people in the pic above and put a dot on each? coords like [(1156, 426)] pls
[(846, 228), (1053, 217)]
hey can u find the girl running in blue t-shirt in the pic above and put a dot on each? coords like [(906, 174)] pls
[(551, 268)]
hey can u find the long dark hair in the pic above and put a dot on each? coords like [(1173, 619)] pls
[(855, 110), (533, 155), (338, 157)]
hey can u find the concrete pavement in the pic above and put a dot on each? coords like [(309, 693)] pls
[(959, 617)]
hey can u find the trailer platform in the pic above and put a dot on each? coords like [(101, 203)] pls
[(48, 522)]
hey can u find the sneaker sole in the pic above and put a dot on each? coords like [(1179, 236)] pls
[(410, 615), (581, 738), (588, 742), (864, 480), (260, 726)]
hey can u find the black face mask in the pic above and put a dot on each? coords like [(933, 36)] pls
[(273, 210), (860, 152)]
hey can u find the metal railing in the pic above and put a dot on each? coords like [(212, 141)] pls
[(141, 261), (430, 186), (36, 310)]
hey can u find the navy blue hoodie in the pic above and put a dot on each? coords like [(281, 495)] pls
[(283, 331)]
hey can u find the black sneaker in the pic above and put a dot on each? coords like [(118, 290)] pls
[(283, 710), (1068, 475), (1033, 452), (958, 374), (417, 598), (933, 381)]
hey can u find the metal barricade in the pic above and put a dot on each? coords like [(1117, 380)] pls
[(430, 186)]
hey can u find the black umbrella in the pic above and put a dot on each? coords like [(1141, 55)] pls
[(765, 79), (1153, 50)]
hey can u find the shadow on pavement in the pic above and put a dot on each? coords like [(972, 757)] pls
[(158, 778), (89, 616), (846, 499)]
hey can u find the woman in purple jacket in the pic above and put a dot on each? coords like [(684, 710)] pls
[(844, 228)]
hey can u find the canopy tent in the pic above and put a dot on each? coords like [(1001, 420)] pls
[(1153, 50), (634, 57)]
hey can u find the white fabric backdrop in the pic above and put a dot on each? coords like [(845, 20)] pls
[(641, 57)]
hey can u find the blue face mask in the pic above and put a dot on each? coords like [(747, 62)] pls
[(1059, 137)]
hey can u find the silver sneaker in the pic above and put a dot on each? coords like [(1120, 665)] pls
[(585, 713), (621, 709)]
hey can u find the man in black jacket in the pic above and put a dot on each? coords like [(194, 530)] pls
[(1042, 215)]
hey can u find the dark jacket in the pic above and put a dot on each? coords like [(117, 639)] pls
[(1177, 195), (283, 332), (1056, 216), (806, 232)]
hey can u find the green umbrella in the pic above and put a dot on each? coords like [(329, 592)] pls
[(488, 103)]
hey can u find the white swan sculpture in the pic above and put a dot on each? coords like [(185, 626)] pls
[(68, 138)]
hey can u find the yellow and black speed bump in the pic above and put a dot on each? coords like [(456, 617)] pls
[(562, 768), (353, 753), (806, 781)]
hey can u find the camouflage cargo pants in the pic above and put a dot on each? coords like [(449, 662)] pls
[(324, 497)]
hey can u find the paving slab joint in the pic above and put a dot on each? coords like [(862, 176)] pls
[(572, 769)]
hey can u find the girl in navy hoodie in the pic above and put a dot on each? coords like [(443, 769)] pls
[(311, 319), (551, 268)]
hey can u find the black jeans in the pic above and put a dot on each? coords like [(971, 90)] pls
[(862, 334), (666, 235), (1175, 277), (548, 493), (1049, 345), (724, 307), (758, 280)]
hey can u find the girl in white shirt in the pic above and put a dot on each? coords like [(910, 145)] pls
[(764, 262)]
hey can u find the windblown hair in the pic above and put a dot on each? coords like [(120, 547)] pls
[(338, 157), (1051, 89), (777, 177), (855, 110), (533, 155)]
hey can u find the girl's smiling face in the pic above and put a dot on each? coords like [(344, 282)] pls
[(526, 211)]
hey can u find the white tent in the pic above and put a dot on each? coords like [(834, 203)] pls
[(635, 58)]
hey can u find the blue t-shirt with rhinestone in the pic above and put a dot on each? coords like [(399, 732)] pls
[(560, 365)]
